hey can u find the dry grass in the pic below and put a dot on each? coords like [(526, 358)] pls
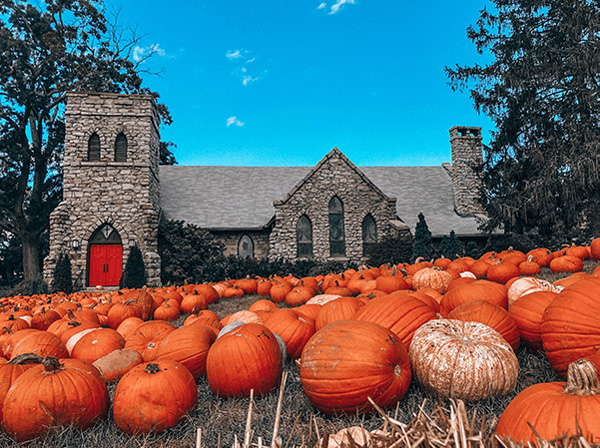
[(223, 421)]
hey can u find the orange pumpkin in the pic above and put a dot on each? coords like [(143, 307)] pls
[(527, 313), (556, 409), (294, 328), (173, 395), (346, 362), (54, 393)]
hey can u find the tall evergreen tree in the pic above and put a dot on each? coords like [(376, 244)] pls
[(542, 91), (423, 243), (63, 280), (134, 274)]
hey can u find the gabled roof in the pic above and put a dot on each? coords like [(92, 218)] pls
[(331, 154), (238, 198)]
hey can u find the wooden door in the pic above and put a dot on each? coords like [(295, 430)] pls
[(106, 264)]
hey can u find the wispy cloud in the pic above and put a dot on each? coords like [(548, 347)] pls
[(337, 6), (141, 53), (231, 121), (243, 60)]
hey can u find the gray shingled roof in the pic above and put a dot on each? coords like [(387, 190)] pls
[(231, 197)]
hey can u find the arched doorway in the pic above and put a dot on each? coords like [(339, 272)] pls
[(105, 260)]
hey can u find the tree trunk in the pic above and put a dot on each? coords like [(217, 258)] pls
[(31, 256)]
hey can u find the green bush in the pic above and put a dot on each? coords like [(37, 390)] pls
[(391, 250), (63, 280), (423, 243), (134, 274), (450, 246)]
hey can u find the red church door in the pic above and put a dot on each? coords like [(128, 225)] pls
[(106, 264)]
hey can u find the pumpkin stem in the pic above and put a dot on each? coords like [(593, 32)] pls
[(52, 365), (27, 358), (582, 378), (152, 368)]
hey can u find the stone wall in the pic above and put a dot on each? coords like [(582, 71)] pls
[(122, 194), (230, 241), (467, 154), (335, 175)]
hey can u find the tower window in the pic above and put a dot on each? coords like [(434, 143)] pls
[(93, 154), (121, 148)]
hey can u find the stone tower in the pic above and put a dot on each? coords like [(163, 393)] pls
[(111, 188), (467, 154)]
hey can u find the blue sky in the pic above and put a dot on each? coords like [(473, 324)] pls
[(280, 83)]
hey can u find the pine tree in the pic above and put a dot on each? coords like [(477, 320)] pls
[(134, 275), (451, 247), (63, 281), (423, 243)]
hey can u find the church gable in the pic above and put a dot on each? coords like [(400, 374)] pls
[(334, 212)]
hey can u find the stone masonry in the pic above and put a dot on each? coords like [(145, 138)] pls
[(124, 195), (335, 175), (465, 143)]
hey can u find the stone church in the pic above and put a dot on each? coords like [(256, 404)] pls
[(115, 194)]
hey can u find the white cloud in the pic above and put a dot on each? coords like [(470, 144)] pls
[(337, 7), (248, 79), (140, 53), (234, 121), (233, 54)]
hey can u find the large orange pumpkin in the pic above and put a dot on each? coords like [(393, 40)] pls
[(527, 313), (247, 357), (489, 291), (154, 396), (346, 362), (402, 314), (556, 409), (294, 328), (570, 327), (54, 393)]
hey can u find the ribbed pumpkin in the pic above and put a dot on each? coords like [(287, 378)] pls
[(294, 328), (247, 357), (595, 248), (464, 360), (346, 362), (526, 285), (146, 337), (402, 314), (11, 370), (570, 327), (566, 263), (96, 344), (502, 271), (188, 345), (154, 396), (39, 342), (488, 291), (527, 313), (54, 393), (339, 309), (490, 315), (436, 278), (556, 409)]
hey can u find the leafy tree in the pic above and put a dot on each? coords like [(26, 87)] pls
[(542, 91), (423, 243), (47, 48), (63, 280), (134, 274), (189, 253)]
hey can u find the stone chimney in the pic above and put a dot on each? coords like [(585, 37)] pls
[(467, 154)]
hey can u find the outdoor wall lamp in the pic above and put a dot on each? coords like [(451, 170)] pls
[(75, 244)]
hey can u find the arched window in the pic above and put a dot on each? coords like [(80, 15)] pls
[(337, 244), (246, 247), (369, 234), (121, 148), (93, 154), (304, 237)]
